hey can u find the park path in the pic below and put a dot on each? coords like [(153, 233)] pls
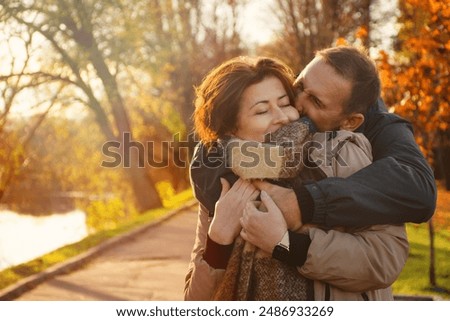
[(148, 266)]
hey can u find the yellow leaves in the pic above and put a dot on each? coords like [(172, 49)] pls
[(168, 67), (166, 192), (105, 214), (414, 3)]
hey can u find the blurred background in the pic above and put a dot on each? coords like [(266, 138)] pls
[(77, 75)]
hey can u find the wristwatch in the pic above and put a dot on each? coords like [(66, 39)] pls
[(281, 250)]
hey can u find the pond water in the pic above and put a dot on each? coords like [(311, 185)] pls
[(25, 237)]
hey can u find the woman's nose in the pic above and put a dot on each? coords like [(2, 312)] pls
[(280, 116)]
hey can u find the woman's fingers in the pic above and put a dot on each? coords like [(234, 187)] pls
[(244, 191), (225, 187)]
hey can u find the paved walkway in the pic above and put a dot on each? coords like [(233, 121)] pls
[(148, 266)]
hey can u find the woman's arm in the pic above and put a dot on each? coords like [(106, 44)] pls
[(214, 239), (357, 262), (201, 279)]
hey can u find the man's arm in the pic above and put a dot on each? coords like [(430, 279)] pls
[(398, 187)]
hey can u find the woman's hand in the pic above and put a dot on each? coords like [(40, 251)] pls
[(263, 229), (225, 226)]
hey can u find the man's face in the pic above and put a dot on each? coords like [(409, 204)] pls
[(321, 95)]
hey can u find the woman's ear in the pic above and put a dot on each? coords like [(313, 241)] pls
[(352, 122)]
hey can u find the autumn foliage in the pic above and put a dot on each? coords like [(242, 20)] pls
[(416, 78)]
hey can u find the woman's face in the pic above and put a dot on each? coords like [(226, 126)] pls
[(264, 107)]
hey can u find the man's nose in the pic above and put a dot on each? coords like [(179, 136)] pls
[(299, 104)]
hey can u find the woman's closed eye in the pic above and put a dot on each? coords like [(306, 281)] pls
[(261, 111)]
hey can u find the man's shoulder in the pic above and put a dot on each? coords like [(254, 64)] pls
[(378, 119)]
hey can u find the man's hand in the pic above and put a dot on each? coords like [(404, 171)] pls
[(286, 200)]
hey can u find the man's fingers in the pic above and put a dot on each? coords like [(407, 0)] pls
[(244, 235), (254, 195), (268, 202), (261, 185)]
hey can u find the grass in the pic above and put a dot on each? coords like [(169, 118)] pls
[(414, 279), (14, 274)]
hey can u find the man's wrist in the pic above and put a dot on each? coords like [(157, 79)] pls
[(281, 249), (305, 202), (297, 250)]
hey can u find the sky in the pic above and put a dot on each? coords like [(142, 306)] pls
[(259, 22)]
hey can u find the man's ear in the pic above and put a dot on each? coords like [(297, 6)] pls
[(352, 122)]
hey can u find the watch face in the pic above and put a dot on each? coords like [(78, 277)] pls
[(280, 253)]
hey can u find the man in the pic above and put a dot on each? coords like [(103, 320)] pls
[(398, 187), (337, 91)]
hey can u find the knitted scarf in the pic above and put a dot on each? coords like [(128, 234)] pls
[(252, 274)]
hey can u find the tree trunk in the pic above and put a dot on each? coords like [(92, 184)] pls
[(432, 257), (365, 20), (147, 196), (443, 159)]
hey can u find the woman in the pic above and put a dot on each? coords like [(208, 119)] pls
[(244, 98)]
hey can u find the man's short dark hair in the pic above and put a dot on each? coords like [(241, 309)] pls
[(355, 65)]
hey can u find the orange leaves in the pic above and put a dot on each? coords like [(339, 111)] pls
[(362, 33), (416, 83), (447, 45), (341, 41)]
